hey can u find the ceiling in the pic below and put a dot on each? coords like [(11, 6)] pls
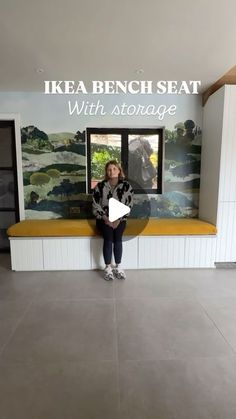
[(111, 40)]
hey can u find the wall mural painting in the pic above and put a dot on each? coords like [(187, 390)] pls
[(181, 171), (54, 172)]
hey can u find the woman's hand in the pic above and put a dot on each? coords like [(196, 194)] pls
[(116, 223), (109, 223), (106, 221)]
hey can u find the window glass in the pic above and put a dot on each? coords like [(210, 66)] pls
[(138, 150), (104, 147), (7, 198), (143, 160), (5, 147)]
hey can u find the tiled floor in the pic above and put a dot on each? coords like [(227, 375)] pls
[(160, 345)]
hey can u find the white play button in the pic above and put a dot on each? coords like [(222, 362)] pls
[(117, 209)]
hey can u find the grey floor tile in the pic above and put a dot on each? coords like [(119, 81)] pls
[(213, 282), (19, 286), (5, 262), (176, 283), (10, 315), (58, 285), (75, 285), (179, 389), (64, 330), (154, 283), (59, 391), (165, 329), (172, 330), (223, 313)]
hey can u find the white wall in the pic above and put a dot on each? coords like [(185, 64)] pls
[(227, 184), (211, 156), (218, 174), (226, 218)]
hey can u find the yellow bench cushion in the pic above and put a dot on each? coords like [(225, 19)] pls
[(69, 228)]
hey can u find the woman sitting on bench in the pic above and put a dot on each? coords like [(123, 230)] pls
[(113, 186)]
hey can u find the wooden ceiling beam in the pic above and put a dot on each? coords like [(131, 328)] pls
[(227, 78)]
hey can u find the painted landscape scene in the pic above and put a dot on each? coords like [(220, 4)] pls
[(55, 171)]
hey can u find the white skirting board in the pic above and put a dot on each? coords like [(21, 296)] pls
[(85, 253)]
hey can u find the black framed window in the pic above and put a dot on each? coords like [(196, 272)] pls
[(139, 150)]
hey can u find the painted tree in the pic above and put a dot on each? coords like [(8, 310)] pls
[(53, 173), (39, 179)]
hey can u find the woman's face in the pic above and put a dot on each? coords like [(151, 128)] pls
[(113, 171)]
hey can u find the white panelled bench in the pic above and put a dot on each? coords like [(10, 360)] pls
[(38, 245)]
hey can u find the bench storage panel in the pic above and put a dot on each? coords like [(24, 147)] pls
[(27, 254), (161, 252), (66, 253), (130, 253), (200, 252), (86, 253)]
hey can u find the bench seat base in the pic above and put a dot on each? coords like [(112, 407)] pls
[(85, 253)]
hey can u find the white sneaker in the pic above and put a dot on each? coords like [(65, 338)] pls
[(119, 272), (108, 273)]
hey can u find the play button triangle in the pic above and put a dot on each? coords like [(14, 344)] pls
[(117, 209)]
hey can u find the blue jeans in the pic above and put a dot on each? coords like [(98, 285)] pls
[(111, 235)]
